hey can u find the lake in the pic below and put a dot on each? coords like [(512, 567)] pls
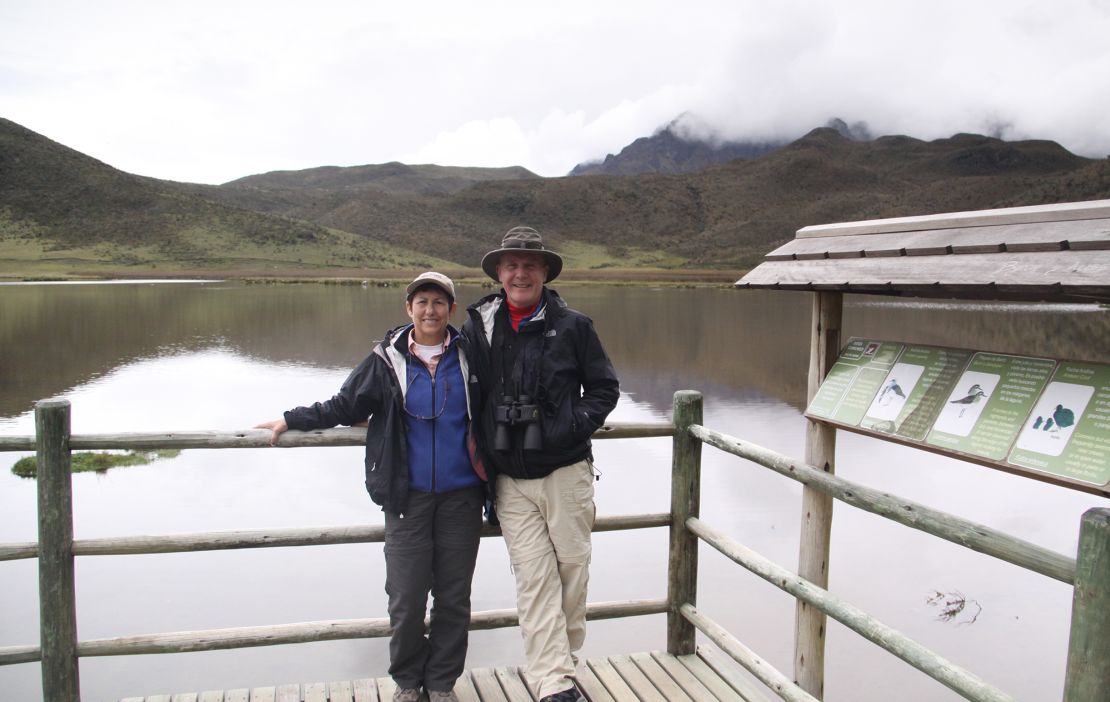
[(194, 356)]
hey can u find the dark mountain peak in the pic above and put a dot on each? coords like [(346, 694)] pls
[(683, 145), (856, 131), (821, 138)]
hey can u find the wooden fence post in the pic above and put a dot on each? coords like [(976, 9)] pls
[(1088, 671), (57, 592), (817, 507), (682, 566)]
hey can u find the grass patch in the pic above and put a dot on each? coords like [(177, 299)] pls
[(97, 462), (580, 255)]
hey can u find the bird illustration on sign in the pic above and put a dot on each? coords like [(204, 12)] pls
[(974, 395)]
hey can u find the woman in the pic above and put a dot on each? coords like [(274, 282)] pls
[(413, 391)]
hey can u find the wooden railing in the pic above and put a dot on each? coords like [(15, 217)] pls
[(1088, 666)]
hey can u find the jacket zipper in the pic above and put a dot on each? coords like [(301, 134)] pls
[(434, 423)]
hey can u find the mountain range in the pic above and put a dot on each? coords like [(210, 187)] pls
[(664, 202)]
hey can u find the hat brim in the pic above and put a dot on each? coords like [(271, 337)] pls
[(554, 262)]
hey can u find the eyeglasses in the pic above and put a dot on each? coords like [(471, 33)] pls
[(442, 407)]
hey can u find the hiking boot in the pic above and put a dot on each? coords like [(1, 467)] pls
[(571, 695), (442, 696), (406, 694)]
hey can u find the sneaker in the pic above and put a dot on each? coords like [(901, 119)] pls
[(571, 695), (442, 696), (406, 694)]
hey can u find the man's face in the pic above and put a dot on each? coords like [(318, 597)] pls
[(522, 275), (429, 311)]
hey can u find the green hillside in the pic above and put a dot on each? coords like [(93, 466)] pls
[(61, 210)]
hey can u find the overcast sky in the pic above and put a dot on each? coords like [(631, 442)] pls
[(211, 91)]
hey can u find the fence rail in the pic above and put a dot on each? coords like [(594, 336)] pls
[(1088, 669)]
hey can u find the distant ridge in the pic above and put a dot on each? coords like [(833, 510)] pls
[(676, 148), (395, 216), (393, 177)]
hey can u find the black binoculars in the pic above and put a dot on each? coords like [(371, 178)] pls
[(516, 412)]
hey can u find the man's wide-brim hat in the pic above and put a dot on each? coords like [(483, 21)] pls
[(523, 240)]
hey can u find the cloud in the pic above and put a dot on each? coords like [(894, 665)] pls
[(210, 91)]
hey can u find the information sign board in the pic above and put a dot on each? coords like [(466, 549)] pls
[(1024, 414)]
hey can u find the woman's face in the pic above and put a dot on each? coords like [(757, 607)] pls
[(429, 310)]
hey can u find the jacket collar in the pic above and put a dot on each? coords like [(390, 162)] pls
[(485, 310)]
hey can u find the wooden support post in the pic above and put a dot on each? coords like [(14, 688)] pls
[(1088, 671), (57, 592), (682, 566), (813, 557)]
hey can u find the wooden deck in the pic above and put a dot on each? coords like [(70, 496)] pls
[(638, 677)]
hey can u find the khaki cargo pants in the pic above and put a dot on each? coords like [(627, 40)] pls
[(547, 523)]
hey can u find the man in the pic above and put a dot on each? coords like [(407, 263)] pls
[(546, 386), (413, 389)]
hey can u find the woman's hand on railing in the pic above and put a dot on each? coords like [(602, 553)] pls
[(276, 427)]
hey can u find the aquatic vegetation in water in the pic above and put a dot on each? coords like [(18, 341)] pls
[(952, 605), (97, 462)]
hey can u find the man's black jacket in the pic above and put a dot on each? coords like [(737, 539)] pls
[(557, 359)]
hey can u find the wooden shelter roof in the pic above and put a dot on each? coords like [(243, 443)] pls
[(1045, 252)]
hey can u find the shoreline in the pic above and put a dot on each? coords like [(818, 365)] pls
[(384, 277)]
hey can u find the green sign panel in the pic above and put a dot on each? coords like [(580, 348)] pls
[(853, 380), (985, 411), (912, 391), (1036, 414), (1068, 431)]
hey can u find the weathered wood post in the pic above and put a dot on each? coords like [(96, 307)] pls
[(682, 566), (817, 507), (1088, 672), (57, 592)]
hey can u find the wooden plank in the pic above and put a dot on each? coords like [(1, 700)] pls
[(188, 697), (365, 690), (635, 678), (817, 507), (288, 693), (532, 689), (465, 690), (340, 691), (611, 679), (1069, 269), (160, 698), (730, 672), (240, 694), (1051, 236), (716, 684), (512, 685), (386, 688), (315, 692), (689, 682), (263, 694), (267, 538), (1035, 214), (485, 680), (660, 678), (213, 696), (57, 584), (682, 562), (589, 684), (972, 535), (1088, 669), (260, 438)]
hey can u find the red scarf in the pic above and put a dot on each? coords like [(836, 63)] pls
[(518, 314)]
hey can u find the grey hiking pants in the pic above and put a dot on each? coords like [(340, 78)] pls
[(431, 549)]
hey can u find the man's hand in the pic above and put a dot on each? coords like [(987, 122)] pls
[(276, 427)]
